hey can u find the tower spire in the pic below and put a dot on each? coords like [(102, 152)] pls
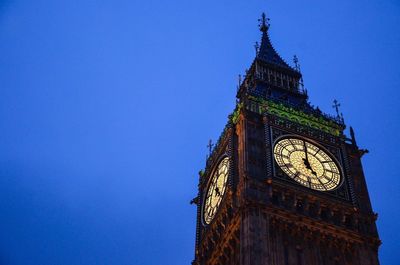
[(266, 51)]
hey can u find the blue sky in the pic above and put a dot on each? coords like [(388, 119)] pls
[(106, 108)]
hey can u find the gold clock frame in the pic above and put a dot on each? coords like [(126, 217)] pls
[(334, 159), (207, 188)]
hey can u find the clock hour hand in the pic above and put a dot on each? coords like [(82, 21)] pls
[(306, 161), (308, 166)]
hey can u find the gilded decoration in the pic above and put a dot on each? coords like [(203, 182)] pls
[(294, 115)]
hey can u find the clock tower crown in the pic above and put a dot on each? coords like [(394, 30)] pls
[(283, 184), (269, 74)]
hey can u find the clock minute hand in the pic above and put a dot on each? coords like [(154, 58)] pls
[(305, 160), (306, 152)]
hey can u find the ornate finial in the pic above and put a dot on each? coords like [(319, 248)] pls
[(353, 137), (257, 47), (239, 81), (264, 23), (210, 146), (302, 86), (336, 106), (296, 63), (297, 68)]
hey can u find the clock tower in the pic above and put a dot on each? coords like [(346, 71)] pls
[(283, 185)]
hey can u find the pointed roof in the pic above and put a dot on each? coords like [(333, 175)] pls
[(266, 52)]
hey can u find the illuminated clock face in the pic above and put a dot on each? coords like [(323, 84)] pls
[(216, 190), (307, 164)]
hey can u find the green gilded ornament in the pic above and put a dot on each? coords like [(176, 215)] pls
[(286, 112)]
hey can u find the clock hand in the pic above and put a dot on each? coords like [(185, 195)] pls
[(306, 161), (306, 151), (308, 166)]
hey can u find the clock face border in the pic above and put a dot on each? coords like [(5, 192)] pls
[(215, 167), (320, 146)]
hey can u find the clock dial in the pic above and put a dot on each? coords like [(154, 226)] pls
[(307, 164), (216, 190)]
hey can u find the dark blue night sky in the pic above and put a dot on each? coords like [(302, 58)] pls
[(106, 108)]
